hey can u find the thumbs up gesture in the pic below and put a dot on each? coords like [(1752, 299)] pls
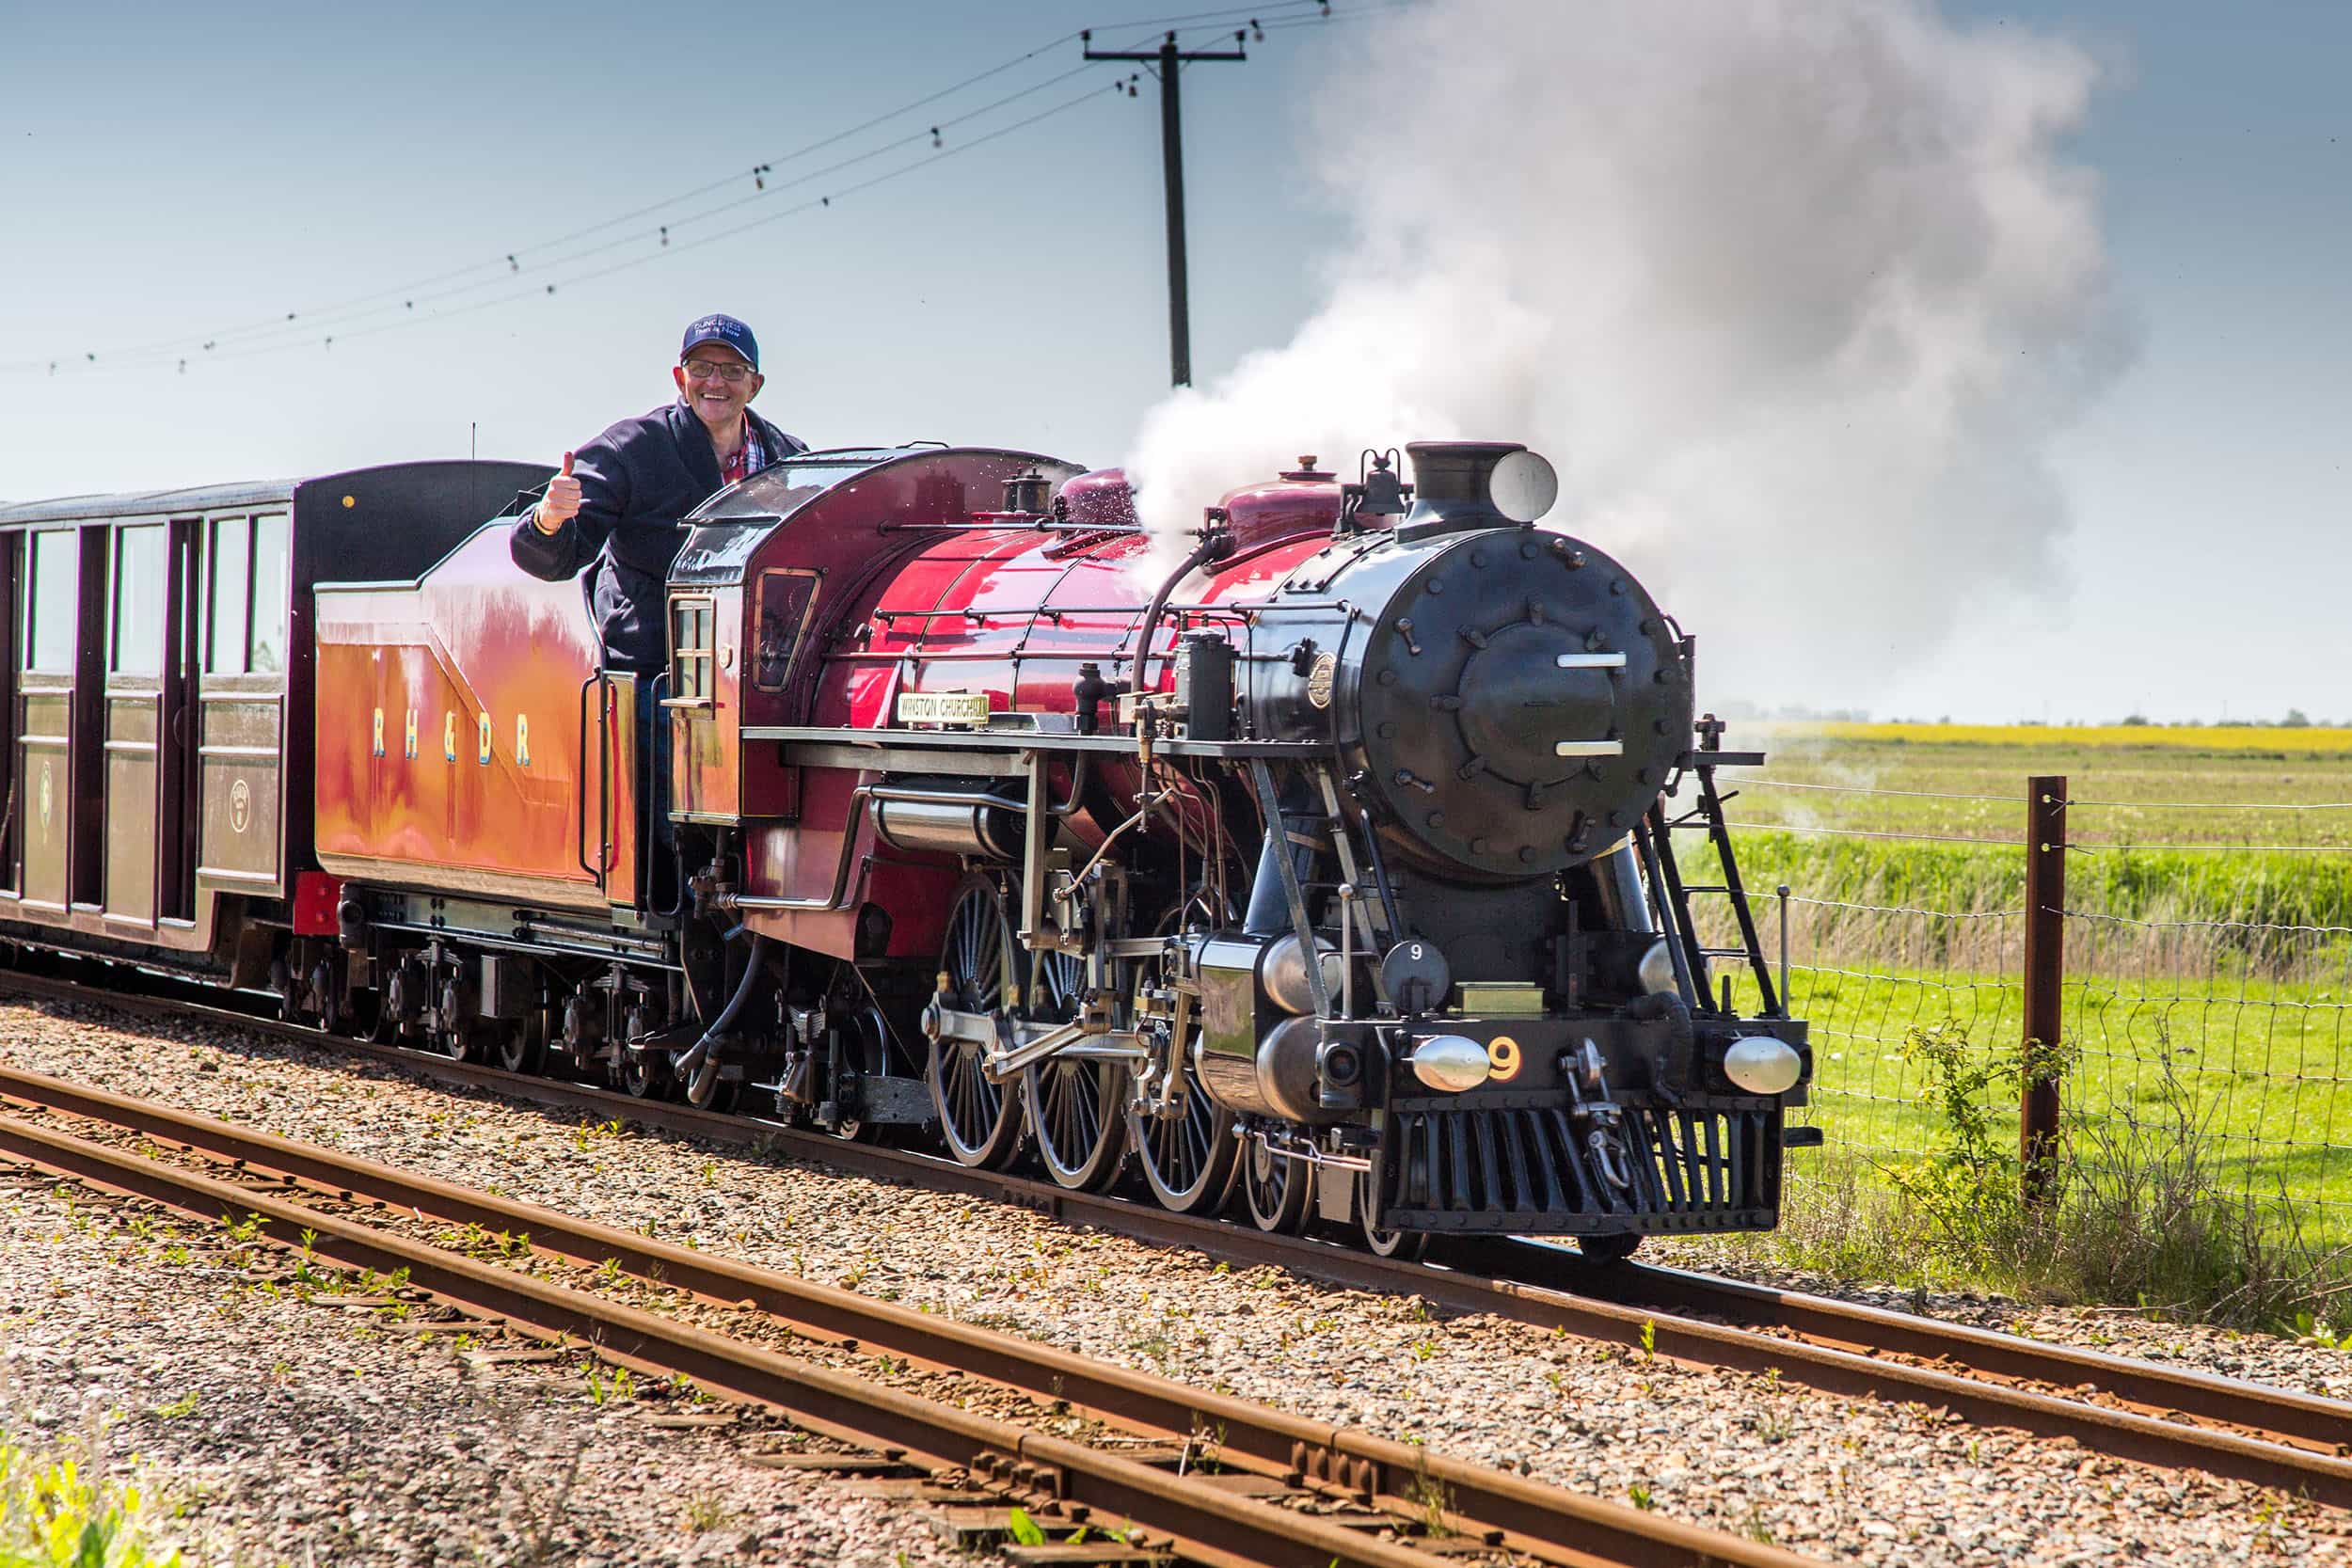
[(561, 502)]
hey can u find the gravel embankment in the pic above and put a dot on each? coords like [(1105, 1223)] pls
[(286, 1432), (1854, 1481)]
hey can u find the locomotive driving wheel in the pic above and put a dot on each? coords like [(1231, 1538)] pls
[(980, 1121), (1188, 1159), (1073, 1102)]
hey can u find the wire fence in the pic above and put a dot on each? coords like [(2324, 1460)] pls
[(2179, 1019)]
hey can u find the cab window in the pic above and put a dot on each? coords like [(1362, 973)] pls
[(689, 642)]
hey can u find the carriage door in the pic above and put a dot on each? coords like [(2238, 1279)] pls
[(45, 684), (136, 638), (241, 702)]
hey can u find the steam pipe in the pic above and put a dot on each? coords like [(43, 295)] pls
[(700, 1060), (1215, 545)]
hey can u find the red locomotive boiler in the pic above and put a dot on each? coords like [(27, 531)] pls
[(1332, 863)]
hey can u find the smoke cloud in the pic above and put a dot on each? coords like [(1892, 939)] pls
[(1794, 293)]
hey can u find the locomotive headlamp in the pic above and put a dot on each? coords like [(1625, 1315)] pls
[(1452, 1063), (1657, 969), (1762, 1065)]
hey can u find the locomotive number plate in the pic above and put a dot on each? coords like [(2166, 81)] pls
[(942, 707)]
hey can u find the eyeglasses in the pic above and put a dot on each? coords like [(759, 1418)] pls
[(705, 369)]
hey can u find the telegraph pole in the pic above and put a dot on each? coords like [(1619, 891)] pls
[(1170, 60)]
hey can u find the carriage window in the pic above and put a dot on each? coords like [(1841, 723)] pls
[(56, 567), (269, 593), (137, 642), (690, 636), (231, 550)]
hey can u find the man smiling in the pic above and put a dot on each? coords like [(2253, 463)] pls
[(618, 499)]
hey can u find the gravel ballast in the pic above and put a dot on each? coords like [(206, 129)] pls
[(271, 1430), (1851, 1479)]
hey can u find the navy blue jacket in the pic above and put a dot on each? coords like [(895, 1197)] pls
[(636, 481)]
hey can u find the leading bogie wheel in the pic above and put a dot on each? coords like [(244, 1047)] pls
[(1608, 1249), (1074, 1105), (1405, 1247), (1279, 1188), (979, 1121)]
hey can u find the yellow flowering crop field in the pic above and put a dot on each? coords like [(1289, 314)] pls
[(2275, 739)]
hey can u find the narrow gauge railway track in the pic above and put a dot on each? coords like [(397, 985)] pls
[(1228, 1512), (2115, 1406)]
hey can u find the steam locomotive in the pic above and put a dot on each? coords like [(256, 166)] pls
[(1333, 864)]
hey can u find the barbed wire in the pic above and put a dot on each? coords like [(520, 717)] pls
[(1865, 832), (2201, 924), (1869, 789), (1904, 909), (2101, 846), (2220, 805)]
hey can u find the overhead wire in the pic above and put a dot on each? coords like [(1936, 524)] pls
[(304, 324), (813, 203), (305, 332)]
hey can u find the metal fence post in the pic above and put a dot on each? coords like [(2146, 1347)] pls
[(2046, 979)]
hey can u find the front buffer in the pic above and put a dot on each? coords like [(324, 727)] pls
[(1582, 1126)]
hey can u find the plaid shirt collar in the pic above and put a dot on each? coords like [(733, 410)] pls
[(749, 458)]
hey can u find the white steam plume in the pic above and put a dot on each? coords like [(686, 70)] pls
[(1794, 292)]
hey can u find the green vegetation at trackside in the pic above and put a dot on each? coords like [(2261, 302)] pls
[(59, 1509), (2207, 1075)]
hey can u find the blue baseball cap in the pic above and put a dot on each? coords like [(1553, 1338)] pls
[(723, 329)]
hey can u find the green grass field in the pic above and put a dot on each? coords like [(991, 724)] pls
[(2229, 967)]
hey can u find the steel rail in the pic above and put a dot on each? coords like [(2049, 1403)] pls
[(1212, 1524), (2270, 1436), (2283, 1415)]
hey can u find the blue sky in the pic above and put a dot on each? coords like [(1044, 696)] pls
[(169, 171)]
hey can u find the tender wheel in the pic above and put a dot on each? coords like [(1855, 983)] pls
[(1279, 1188), (866, 1047), (1608, 1249), (522, 1046), (979, 1121), (1405, 1247), (644, 1074), (1073, 1106)]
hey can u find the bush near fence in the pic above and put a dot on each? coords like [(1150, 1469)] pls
[(2203, 1003)]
